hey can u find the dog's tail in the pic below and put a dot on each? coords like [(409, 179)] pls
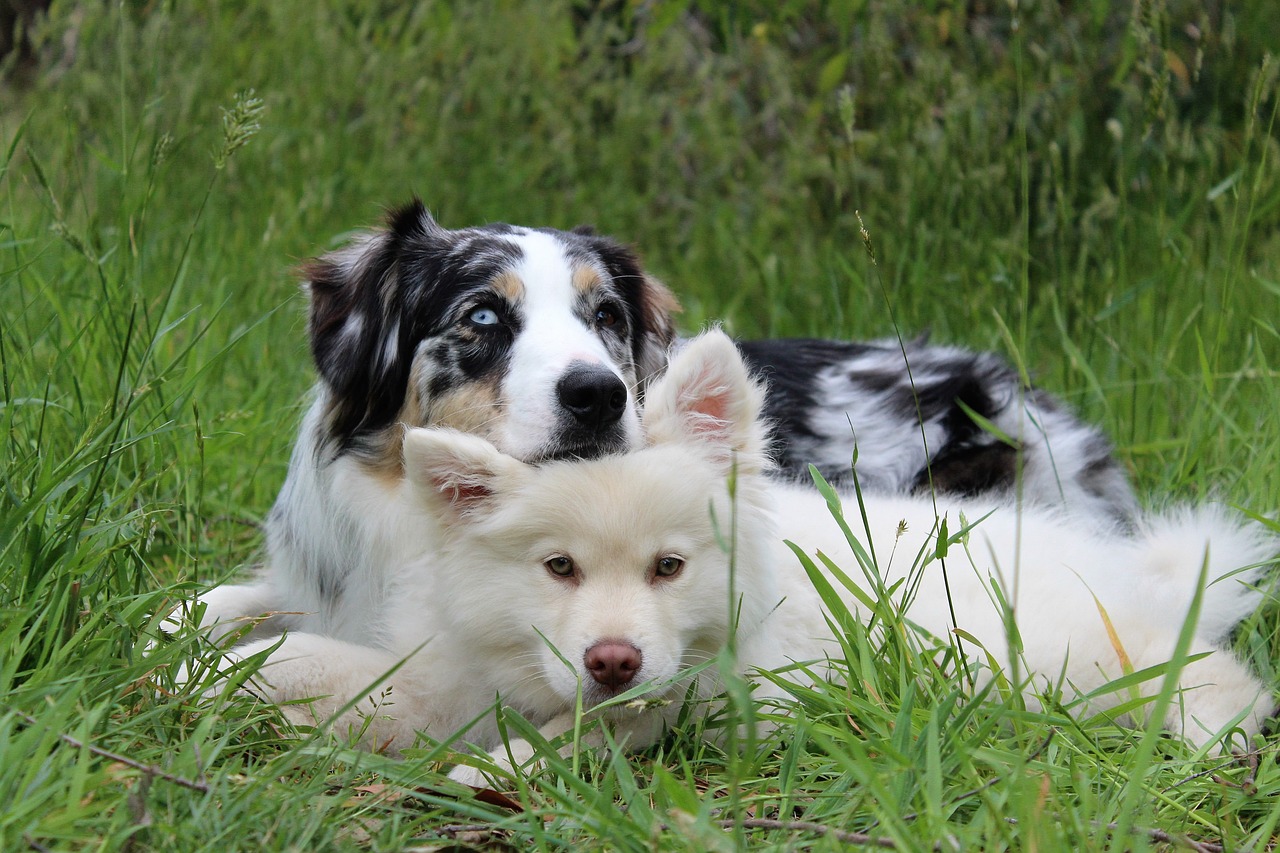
[(1232, 553)]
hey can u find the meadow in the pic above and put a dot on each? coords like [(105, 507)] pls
[(1091, 190)]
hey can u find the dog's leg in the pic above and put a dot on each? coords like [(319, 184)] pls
[(250, 610), (518, 752), (322, 681), (633, 732), (228, 614), (229, 607)]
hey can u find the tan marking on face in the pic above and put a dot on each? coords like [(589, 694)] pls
[(509, 286), (475, 408), (585, 279)]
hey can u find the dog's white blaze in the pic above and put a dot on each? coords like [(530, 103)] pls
[(552, 337)]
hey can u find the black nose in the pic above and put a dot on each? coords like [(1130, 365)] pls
[(593, 394)]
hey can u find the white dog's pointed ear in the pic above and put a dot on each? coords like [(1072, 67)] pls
[(457, 474), (707, 396)]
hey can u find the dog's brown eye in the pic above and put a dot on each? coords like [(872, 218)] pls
[(668, 566), (559, 565), (606, 317)]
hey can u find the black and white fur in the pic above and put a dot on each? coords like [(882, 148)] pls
[(825, 396), (542, 342)]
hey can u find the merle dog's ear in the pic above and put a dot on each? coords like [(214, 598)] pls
[(707, 397), (457, 475), (358, 340), (652, 306), (659, 306)]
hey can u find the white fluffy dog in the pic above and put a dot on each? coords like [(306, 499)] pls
[(586, 579)]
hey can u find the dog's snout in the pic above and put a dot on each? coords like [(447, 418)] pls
[(613, 663), (593, 394)]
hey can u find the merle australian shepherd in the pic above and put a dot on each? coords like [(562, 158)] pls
[(542, 342)]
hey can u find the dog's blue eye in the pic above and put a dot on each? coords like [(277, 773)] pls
[(560, 566), (483, 317), (668, 566)]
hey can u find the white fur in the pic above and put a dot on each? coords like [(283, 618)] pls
[(477, 614)]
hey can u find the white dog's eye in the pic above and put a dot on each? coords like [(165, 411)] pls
[(668, 566), (559, 565), (483, 317)]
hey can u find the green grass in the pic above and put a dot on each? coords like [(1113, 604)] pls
[(1093, 196)]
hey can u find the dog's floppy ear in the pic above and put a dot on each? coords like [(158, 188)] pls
[(360, 340), (708, 397), (659, 307), (457, 474)]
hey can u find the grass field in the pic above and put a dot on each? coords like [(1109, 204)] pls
[(1093, 193)]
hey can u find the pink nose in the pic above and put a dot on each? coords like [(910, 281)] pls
[(613, 663)]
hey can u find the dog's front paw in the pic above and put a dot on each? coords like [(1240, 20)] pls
[(496, 770), (472, 776), (215, 674), (176, 624)]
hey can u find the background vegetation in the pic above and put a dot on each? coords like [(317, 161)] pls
[(1089, 188)]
